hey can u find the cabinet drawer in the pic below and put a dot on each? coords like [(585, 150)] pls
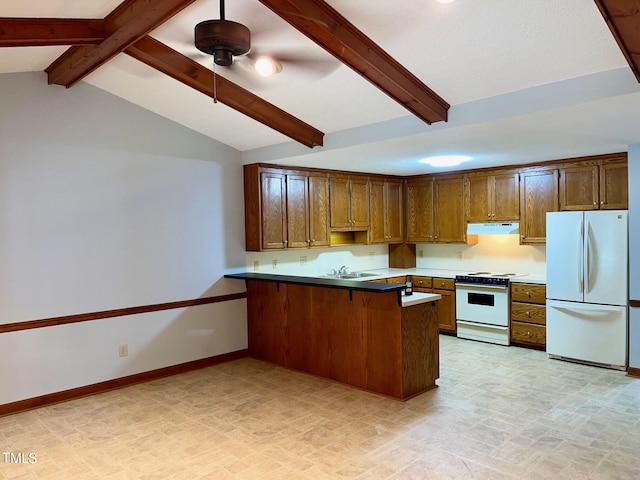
[(397, 280), (444, 283), (529, 312), (422, 282), (527, 333), (529, 293)]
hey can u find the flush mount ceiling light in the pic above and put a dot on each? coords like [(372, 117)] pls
[(445, 1), (445, 160), (266, 66)]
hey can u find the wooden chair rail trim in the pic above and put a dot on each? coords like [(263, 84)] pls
[(71, 394), (119, 312)]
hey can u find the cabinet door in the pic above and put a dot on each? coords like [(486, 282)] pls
[(505, 193), (419, 212), (446, 310), (359, 203), (394, 212), (614, 186), (477, 199), (319, 233), (274, 215), (539, 195), (377, 229), (297, 212), (579, 188), (339, 201), (448, 211)]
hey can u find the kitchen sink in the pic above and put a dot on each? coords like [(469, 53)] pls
[(347, 276)]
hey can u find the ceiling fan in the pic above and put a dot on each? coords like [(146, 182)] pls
[(225, 40)]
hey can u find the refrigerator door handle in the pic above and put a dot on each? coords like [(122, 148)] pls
[(580, 255), (587, 257), (596, 310)]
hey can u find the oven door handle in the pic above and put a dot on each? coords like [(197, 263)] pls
[(478, 324), (481, 285)]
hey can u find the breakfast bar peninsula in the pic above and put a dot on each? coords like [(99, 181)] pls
[(364, 334)]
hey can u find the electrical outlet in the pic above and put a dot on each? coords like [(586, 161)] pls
[(274, 263), (123, 349), (420, 253), (256, 265), (303, 260), (459, 255)]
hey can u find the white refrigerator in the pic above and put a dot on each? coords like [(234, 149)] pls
[(587, 287)]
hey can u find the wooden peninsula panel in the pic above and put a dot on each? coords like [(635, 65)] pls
[(361, 338)]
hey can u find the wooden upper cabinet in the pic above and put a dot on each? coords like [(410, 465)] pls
[(493, 197), (579, 188), (395, 211), (285, 208), (297, 211), (448, 212), (419, 211), (385, 211), (274, 213), (614, 186), (435, 210), (538, 195), (349, 200), (594, 185), (319, 233)]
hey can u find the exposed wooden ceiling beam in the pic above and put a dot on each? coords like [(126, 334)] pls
[(191, 73), (329, 29), (33, 32), (130, 21), (623, 19)]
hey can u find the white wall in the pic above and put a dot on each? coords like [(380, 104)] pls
[(634, 253), (494, 253), (104, 205)]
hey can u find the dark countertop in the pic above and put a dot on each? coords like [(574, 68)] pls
[(358, 285)]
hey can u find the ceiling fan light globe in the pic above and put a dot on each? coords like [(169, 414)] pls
[(266, 66)]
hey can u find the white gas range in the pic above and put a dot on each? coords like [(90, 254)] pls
[(482, 306)]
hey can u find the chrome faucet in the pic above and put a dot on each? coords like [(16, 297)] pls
[(343, 269)]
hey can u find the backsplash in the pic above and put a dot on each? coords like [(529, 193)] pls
[(315, 262), (495, 253)]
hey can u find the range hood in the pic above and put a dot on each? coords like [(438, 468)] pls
[(492, 228)]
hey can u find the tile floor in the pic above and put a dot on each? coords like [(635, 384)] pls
[(499, 413)]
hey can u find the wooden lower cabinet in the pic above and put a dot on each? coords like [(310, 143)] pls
[(528, 315), (364, 339), (444, 287)]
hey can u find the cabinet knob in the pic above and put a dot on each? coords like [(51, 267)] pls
[(601, 203), (442, 284), (595, 203), (522, 236), (488, 215), (528, 334), (528, 294), (528, 314)]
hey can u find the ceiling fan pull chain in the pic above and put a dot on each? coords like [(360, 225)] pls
[(215, 84)]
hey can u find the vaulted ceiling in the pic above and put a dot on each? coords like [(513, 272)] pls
[(372, 81)]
